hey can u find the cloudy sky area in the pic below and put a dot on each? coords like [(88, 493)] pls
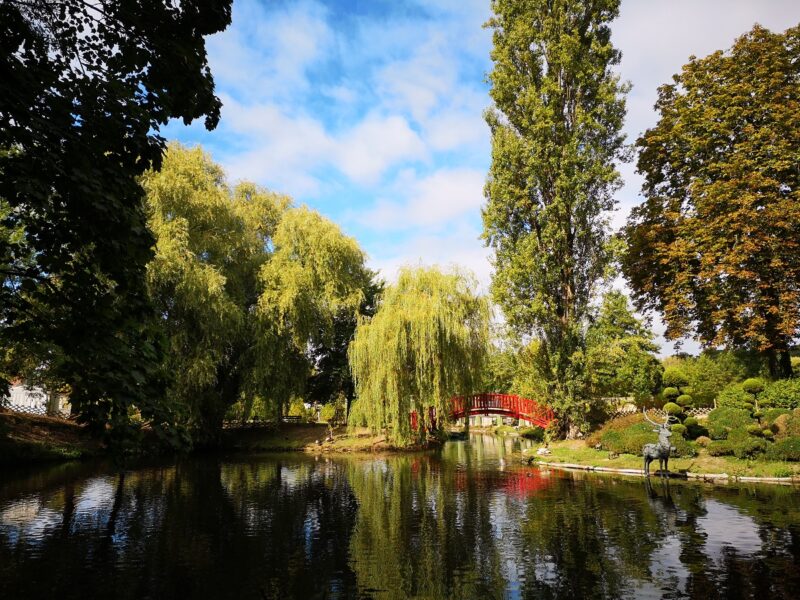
[(370, 111)]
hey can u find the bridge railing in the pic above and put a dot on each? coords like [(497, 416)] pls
[(524, 408)]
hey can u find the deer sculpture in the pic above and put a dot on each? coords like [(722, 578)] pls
[(659, 451)]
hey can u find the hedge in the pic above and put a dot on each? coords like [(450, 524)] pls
[(786, 449), (724, 419), (784, 393), (739, 444)]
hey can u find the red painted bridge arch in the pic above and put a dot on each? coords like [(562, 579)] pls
[(504, 405)]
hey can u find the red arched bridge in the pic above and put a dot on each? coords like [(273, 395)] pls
[(504, 405)]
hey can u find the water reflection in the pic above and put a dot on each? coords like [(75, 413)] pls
[(467, 522)]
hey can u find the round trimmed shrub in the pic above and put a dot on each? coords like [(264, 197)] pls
[(788, 449), (690, 421), (754, 385), (767, 433), (703, 441), (678, 429), (754, 429), (670, 393), (684, 400), (672, 409), (725, 419)]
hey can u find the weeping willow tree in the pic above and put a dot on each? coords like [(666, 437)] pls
[(315, 274), (427, 342)]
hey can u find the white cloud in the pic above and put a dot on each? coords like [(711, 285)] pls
[(435, 201)]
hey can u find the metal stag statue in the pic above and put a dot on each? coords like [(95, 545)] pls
[(659, 451)]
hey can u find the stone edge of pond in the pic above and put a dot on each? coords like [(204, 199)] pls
[(708, 477)]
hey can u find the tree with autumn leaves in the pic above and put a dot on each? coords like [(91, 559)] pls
[(715, 247)]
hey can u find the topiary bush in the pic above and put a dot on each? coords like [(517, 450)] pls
[(678, 429), (690, 421), (768, 416), (784, 393), (754, 429), (670, 394), (754, 385), (703, 441), (672, 409), (684, 400), (725, 419), (767, 433), (786, 449)]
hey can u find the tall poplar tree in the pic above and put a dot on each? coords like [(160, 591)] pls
[(715, 247), (556, 136)]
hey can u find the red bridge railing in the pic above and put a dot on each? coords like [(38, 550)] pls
[(507, 405)]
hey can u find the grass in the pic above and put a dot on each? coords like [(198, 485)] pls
[(577, 452), (31, 439), (311, 437)]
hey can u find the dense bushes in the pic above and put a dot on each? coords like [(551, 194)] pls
[(627, 435), (725, 419), (784, 393), (739, 443), (786, 449), (532, 433), (733, 396)]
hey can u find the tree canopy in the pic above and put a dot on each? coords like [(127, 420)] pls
[(715, 247), (426, 343), (244, 284), (86, 88), (556, 136)]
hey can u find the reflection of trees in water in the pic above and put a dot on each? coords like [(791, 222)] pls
[(427, 526), (417, 536), (191, 530)]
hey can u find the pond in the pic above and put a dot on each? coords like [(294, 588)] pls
[(467, 521)]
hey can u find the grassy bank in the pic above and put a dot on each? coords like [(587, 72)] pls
[(311, 437), (577, 452), (33, 439)]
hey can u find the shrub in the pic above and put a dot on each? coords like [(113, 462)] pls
[(722, 420), (734, 396), (754, 429), (787, 425), (767, 433), (768, 416), (745, 445), (684, 400), (678, 429), (703, 441), (719, 448), (683, 449), (327, 412), (672, 409), (532, 433), (784, 393), (670, 394), (690, 421), (786, 449), (675, 377), (754, 385)]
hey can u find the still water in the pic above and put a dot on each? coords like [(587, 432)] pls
[(464, 522)]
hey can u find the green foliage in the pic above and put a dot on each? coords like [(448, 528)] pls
[(237, 332), (734, 396), (767, 434), (703, 441), (672, 409), (787, 425), (556, 137), (629, 434), (426, 343), (675, 377), (785, 449), (670, 394), (740, 444), (690, 421), (754, 385), (754, 429), (501, 369), (327, 412), (620, 353), (723, 420), (86, 89), (718, 171), (297, 409), (783, 393), (532, 433), (679, 429), (684, 400), (769, 415)]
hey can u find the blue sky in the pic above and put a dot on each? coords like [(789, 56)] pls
[(371, 111)]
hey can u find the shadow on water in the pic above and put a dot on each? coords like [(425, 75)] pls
[(464, 522)]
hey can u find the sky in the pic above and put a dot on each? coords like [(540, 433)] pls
[(371, 111)]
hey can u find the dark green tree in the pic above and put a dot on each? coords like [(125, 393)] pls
[(556, 137), (86, 87), (715, 247)]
